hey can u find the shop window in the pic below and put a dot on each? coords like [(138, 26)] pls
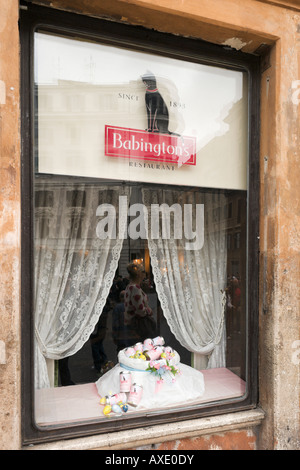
[(138, 272)]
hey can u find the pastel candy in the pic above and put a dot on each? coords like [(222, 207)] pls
[(107, 409), (116, 409)]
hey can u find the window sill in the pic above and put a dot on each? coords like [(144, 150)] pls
[(134, 438), (62, 405), (218, 386)]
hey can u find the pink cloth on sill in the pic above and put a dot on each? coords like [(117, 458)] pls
[(82, 402), (65, 404)]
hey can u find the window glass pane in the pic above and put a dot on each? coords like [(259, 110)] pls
[(140, 231)]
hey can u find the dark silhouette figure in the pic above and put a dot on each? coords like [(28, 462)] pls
[(157, 110), (97, 338), (64, 372)]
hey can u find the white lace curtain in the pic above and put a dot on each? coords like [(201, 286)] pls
[(74, 269), (190, 283)]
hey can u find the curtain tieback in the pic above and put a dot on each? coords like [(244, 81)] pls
[(41, 344)]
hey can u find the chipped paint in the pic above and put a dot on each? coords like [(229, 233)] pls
[(2, 92), (296, 94), (235, 43), (2, 352)]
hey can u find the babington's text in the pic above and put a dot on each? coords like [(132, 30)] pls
[(141, 145)]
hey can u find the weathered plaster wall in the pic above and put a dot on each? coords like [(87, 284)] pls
[(220, 22), (237, 440), (246, 25), (279, 258), (9, 226), (292, 4)]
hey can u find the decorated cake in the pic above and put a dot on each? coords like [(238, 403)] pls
[(149, 375), (141, 355)]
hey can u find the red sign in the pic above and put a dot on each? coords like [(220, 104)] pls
[(135, 144)]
